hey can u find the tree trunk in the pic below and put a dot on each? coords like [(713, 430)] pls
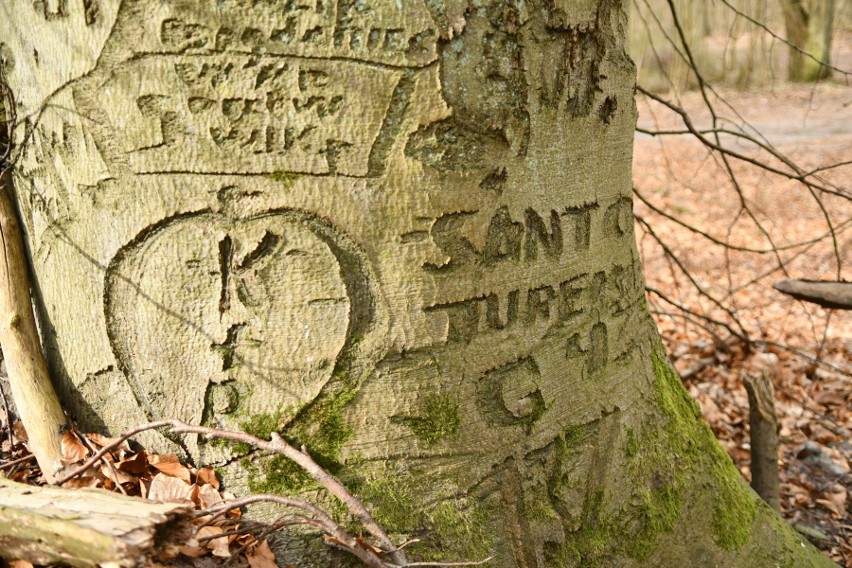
[(822, 29), (809, 26), (399, 232)]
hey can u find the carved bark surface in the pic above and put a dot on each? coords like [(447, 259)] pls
[(399, 231)]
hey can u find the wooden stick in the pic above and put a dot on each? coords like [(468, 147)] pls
[(764, 439), (32, 391), (832, 295), (87, 527)]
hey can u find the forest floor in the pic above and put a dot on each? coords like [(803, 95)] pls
[(813, 126)]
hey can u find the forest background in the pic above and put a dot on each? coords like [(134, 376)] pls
[(715, 232)]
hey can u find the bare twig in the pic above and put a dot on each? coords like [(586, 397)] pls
[(106, 462), (18, 461), (783, 40), (322, 519), (316, 516), (276, 445), (439, 564), (85, 466), (796, 175)]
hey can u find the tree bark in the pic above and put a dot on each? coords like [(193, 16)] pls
[(400, 234)]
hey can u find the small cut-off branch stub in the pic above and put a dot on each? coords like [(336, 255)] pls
[(87, 527), (763, 424)]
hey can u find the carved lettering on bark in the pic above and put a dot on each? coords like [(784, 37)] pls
[(253, 311)]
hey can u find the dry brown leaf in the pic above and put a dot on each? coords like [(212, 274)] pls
[(103, 441), (84, 482), (20, 564), (73, 449), (170, 489), (219, 546), (835, 512), (206, 475), (20, 432), (170, 465), (137, 463), (369, 546), (193, 549), (830, 398), (208, 496), (823, 435), (261, 556), (834, 500), (111, 472)]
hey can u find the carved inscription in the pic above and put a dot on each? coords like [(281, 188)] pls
[(401, 34), (59, 9), (51, 9), (249, 312), (506, 239), (548, 304), (248, 114), (534, 236), (510, 395)]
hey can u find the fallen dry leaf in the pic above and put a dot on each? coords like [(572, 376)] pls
[(83, 482), (206, 475), (208, 496), (261, 556), (193, 549), (102, 441), (73, 449), (170, 465), (20, 432), (834, 500), (219, 546), (170, 489)]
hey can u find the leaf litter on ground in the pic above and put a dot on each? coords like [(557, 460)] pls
[(156, 477)]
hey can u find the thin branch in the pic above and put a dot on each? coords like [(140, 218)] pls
[(439, 564), (18, 461), (276, 445), (111, 446), (727, 244), (796, 175), (700, 289), (108, 463), (327, 524)]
